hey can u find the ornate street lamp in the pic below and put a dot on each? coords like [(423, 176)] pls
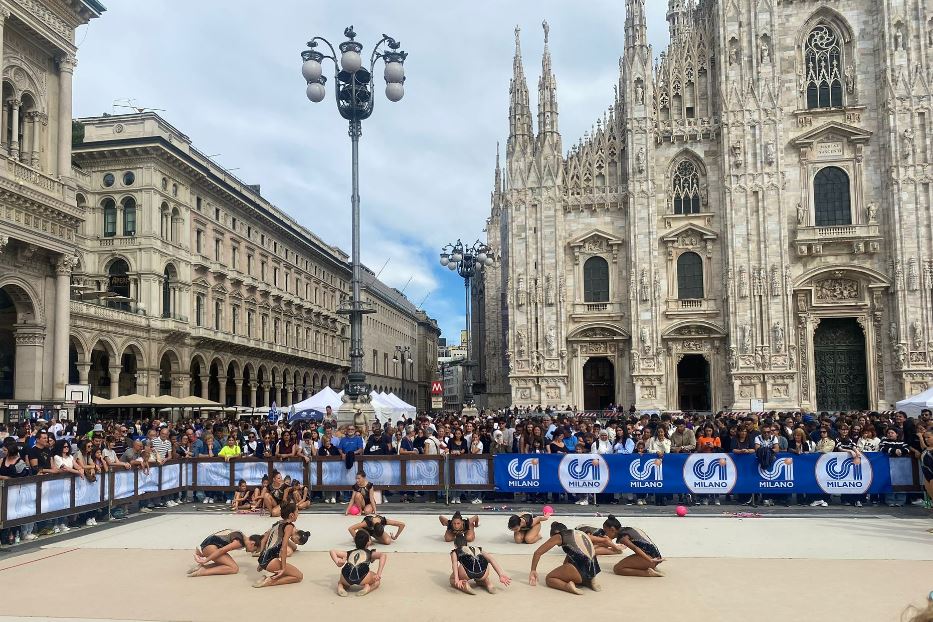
[(467, 261), (353, 93)]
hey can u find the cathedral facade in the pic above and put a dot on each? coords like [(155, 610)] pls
[(748, 225)]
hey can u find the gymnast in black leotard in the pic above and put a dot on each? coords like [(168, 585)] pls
[(579, 567), (213, 556), (644, 563), (458, 526), (526, 527), (355, 565), (375, 525), (274, 550), (471, 563)]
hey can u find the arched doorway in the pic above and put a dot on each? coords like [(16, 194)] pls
[(213, 382), (230, 393), (693, 383), (99, 373), (599, 386), (246, 390), (260, 387), (839, 363), (196, 387), (166, 368), (129, 366)]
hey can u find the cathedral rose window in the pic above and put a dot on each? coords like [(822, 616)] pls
[(823, 57)]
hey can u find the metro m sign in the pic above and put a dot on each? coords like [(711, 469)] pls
[(437, 387)]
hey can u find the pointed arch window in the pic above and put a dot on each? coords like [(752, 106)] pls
[(685, 188), (823, 62)]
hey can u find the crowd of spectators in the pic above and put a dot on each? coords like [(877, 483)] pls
[(39, 448)]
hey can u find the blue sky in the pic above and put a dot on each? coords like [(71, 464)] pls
[(227, 74)]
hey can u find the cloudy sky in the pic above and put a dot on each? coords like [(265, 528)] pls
[(227, 74)]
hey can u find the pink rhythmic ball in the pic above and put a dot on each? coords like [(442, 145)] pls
[(547, 510), (681, 511), (354, 510)]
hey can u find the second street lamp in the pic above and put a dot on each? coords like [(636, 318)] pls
[(353, 92), (467, 261)]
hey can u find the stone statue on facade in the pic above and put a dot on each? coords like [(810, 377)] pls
[(643, 285), (746, 339), (520, 292), (550, 341), (548, 290), (640, 160), (743, 282), (801, 215), (639, 93), (733, 359), (907, 144), (916, 334), (871, 212), (644, 339), (770, 152), (778, 332), (520, 343), (765, 52)]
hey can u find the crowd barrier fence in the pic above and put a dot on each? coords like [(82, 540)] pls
[(46, 497)]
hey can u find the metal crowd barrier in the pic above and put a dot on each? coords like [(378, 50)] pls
[(46, 497)]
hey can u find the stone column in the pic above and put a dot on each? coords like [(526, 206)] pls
[(238, 398), (14, 137), (274, 394), (115, 381), (252, 395), (204, 380), (27, 379), (4, 14), (66, 67), (222, 395), (84, 370), (181, 384), (63, 267), (4, 118), (34, 125), (287, 395)]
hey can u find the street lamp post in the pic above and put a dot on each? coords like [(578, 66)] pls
[(355, 101), (467, 261), (403, 354)]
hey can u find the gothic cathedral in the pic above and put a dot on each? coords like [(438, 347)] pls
[(749, 221)]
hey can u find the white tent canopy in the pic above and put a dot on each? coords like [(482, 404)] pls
[(913, 405), (320, 401), (403, 407)]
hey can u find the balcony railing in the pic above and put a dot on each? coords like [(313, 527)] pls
[(123, 240), (21, 172), (596, 308), (838, 239), (691, 306)]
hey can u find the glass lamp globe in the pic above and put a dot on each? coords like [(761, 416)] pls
[(315, 92), (311, 70), (488, 261), (394, 91), (351, 61), (481, 257), (452, 266), (394, 72)]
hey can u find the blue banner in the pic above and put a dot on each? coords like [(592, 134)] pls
[(833, 473)]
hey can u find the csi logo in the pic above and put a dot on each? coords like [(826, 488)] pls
[(780, 475), (587, 474), (840, 473), (524, 473), (646, 473), (710, 473)]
